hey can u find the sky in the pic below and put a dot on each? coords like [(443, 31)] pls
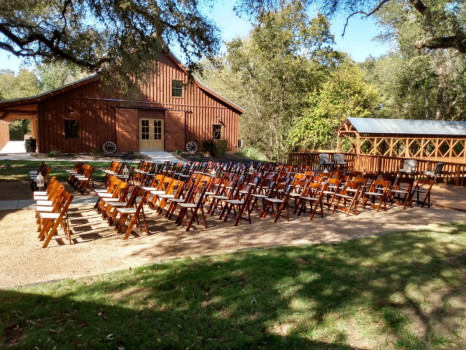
[(358, 39)]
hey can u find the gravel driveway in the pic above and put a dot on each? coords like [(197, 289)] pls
[(98, 249)]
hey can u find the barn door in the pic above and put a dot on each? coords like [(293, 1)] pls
[(175, 130), (127, 130), (151, 132)]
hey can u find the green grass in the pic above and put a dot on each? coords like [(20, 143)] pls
[(400, 290), (19, 170)]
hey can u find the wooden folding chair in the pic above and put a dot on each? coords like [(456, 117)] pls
[(50, 206), (119, 192), (132, 214), (51, 221), (241, 202), (184, 196), (281, 203), (379, 190), (422, 187), (314, 194), (332, 188), (172, 192), (401, 192), (85, 180), (48, 190), (350, 192), (224, 193), (198, 204)]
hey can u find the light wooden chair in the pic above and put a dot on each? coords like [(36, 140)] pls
[(51, 221), (132, 215)]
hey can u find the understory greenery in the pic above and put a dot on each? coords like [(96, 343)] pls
[(252, 153), (403, 290), (216, 148)]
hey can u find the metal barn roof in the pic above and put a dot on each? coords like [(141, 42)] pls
[(409, 126)]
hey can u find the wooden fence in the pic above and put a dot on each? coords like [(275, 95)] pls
[(452, 172)]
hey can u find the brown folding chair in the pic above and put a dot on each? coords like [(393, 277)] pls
[(281, 203), (85, 179), (379, 190), (241, 202), (350, 192), (194, 207), (422, 187), (133, 215), (314, 195), (401, 192)]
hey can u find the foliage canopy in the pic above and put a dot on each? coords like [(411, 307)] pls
[(442, 22), (95, 35)]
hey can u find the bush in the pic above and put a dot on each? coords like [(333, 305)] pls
[(252, 153), (95, 152), (216, 148), (55, 154)]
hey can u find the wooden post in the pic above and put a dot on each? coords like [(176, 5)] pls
[(458, 172), (338, 142), (357, 164)]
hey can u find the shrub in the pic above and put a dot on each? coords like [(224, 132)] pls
[(216, 148), (95, 152), (57, 153), (252, 153)]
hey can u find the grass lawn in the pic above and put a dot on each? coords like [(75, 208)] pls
[(14, 170), (400, 290)]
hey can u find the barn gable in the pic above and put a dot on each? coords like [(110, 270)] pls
[(169, 112)]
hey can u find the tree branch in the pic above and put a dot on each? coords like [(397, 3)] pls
[(457, 42), (49, 43), (366, 14)]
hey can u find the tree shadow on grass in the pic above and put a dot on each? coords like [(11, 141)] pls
[(313, 297)]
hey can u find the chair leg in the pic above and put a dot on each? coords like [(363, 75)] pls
[(51, 233)]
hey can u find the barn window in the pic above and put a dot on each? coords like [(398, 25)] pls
[(72, 129), (177, 88), (216, 131)]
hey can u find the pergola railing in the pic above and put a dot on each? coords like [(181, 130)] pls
[(452, 172)]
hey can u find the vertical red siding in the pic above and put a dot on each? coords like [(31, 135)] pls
[(98, 120)]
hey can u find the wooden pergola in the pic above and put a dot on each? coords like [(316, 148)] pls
[(435, 140)]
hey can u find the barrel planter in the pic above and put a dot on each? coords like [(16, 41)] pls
[(30, 145)]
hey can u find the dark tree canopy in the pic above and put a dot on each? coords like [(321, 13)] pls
[(96, 34), (443, 21)]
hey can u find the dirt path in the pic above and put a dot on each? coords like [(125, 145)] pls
[(98, 249)]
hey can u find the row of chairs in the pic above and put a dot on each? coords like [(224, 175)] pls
[(80, 177), (52, 211), (236, 191)]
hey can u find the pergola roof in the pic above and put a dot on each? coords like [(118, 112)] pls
[(407, 127)]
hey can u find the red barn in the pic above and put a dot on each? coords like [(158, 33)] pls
[(169, 113)]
